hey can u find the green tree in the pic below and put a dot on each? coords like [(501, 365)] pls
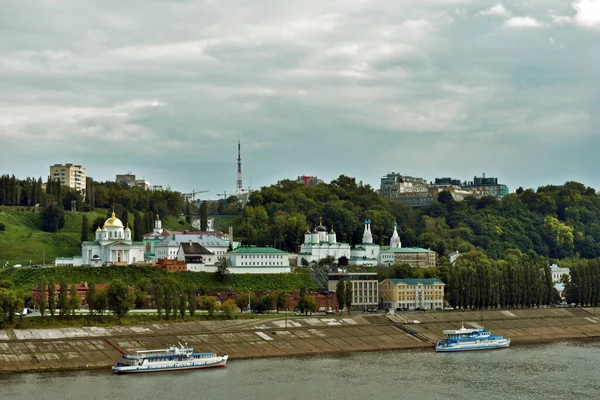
[(84, 229), (222, 271), (340, 293), (229, 308), (52, 218), (183, 303), (41, 300), (74, 300), (302, 304), (101, 302), (209, 303), (348, 294), (63, 305), (91, 298), (120, 298), (204, 216), (52, 297), (192, 302)]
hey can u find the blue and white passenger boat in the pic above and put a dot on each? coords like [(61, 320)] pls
[(173, 358), (470, 339)]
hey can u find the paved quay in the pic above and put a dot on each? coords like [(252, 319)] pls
[(96, 347)]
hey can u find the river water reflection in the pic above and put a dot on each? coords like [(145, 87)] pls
[(565, 370)]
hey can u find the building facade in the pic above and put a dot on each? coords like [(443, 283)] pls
[(69, 175), (258, 260), (365, 287), (410, 294), (319, 244), (394, 184), (416, 257)]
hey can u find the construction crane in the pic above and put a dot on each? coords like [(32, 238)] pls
[(195, 192), (224, 194)]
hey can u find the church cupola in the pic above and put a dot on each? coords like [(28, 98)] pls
[(395, 239), (127, 233), (367, 236), (332, 236), (307, 236)]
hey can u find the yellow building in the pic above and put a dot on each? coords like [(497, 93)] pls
[(411, 294), (364, 287), (69, 175)]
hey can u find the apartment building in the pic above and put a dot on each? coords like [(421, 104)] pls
[(69, 175)]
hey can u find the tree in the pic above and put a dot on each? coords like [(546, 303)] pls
[(84, 229), (302, 304), (101, 302), (229, 308), (340, 294), (192, 302), (120, 298), (159, 298), (40, 288), (348, 292), (311, 304), (204, 216), (52, 297), (10, 303), (222, 271), (63, 305), (74, 300), (182, 303), (52, 218), (91, 298), (209, 303)]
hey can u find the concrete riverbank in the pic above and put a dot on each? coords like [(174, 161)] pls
[(98, 347)]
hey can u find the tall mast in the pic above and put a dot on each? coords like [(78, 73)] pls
[(239, 171)]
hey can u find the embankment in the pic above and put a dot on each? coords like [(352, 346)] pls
[(98, 347)]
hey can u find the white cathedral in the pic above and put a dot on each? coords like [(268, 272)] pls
[(319, 244), (113, 245)]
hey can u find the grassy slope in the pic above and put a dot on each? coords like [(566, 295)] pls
[(23, 241), (24, 278)]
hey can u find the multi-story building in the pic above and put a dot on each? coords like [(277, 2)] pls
[(486, 187), (309, 180), (365, 287), (393, 184), (142, 184), (558, 272), (412, 293), (69, 175), (258, 260), (416, 257), (128, 179)]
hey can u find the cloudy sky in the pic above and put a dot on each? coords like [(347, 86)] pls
[(429, 88)]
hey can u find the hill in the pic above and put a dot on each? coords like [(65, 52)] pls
[(23, 242)]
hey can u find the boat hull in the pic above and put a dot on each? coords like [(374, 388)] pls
[(470, 347), (146, 368)]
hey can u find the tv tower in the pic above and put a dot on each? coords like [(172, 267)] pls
[(239, 171)]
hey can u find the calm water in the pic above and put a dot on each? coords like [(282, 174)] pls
[(567, 370)]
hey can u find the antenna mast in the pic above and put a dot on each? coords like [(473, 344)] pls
[(239, 171)]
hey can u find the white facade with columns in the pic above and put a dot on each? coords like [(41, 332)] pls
[(113, 245), (319, 244)]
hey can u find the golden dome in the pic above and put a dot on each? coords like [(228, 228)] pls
[(113, 221), (98, 229), (127, 229), (104, 229)]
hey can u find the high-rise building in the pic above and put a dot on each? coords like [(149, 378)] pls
[(129, 179), (393, 184), (69, 175)]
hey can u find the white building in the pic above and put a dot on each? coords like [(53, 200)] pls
[(258, 260), (367, 253), (319, 244), (113, 245), (197, 257), (69, 175), (557, 273)]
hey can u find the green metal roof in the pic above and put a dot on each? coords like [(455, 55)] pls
[(409, 250), (257, 250), (92, 242), (417, 281), (360, 248)]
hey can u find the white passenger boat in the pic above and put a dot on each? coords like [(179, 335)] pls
[(173, 358), (470, 339)]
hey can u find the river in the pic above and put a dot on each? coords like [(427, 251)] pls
[(562, 370)]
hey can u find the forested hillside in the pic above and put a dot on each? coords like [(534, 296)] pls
[(552, 221)]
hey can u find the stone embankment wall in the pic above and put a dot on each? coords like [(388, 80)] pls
[(98, 347)]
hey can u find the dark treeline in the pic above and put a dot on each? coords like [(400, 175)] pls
[(584, 285)]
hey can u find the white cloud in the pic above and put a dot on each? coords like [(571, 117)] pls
[(498, 10), (588, 13), (523, 22)]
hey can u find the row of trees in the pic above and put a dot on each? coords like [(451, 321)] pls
[(583, 287)]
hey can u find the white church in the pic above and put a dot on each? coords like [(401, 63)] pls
[(113, 245), (319, 244)]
